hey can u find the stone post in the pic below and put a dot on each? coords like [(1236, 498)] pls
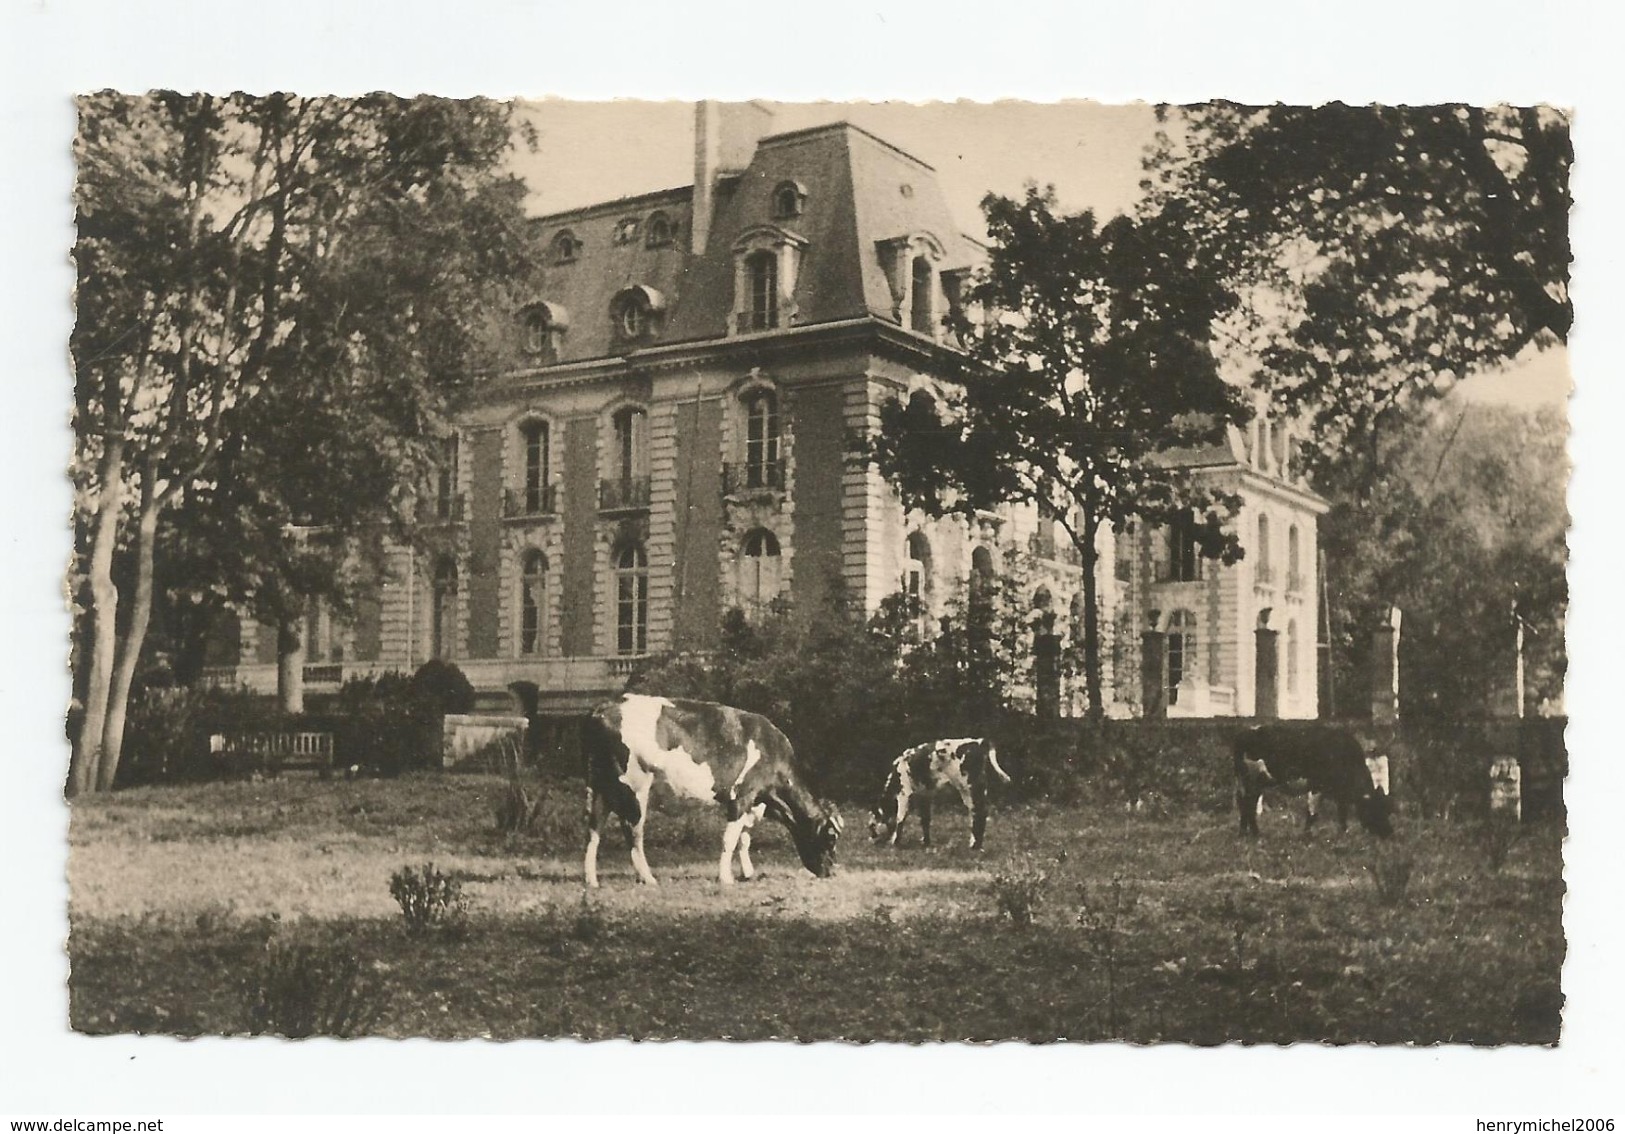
[(1046, 666), (1154, 674), (1385, 669)]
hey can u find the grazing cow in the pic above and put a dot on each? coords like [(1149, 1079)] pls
[(966, 765), (1330, 759), (706, 752)]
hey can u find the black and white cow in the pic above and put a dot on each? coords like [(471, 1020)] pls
[(706, 752), (967, 765), (1329, 759)]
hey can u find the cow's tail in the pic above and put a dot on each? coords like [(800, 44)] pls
[(993, 764)]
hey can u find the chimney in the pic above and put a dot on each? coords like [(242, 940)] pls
[(725, 137)]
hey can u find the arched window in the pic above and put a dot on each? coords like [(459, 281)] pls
[(759, 570), (788, 198), (631, 600), (537, 490), (1294, 570), (1264, 572), (922, 305), (762, 440), (537, 340), (659, 231), (443, 608), (1181, 651), (532, 603), (1292, 657), (762, 276), (981, 577), (565, 247)]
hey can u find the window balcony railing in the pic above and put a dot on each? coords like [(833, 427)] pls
[(328, 674), (630, 494), (748, 321), (526, 503), (441, 509), (752, 476)]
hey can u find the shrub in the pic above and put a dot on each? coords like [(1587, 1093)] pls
[(168, 729), (1018, 889), (439, 687), (431, 902), (1392, 875), (1497, 834), (302, 990)]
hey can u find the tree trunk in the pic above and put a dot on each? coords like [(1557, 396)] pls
[(135, 635), (87, 753), (290, 665), (1091, 617)]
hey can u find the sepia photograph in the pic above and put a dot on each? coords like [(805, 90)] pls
[(894, 560), (924, 572)]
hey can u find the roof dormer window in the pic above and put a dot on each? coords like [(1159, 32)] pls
[(788, 199), (766, 262), (626, 230), (636, 312), (910, 263), (542, 327), (659, 231), (565, 247)]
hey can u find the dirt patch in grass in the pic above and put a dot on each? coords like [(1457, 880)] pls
[(176, 891)]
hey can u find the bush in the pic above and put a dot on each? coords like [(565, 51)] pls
[(1391, 872), (168, 729), (1018, 889), (301, 990), (431, 902), (439, 687)]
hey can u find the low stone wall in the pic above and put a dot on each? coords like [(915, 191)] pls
[(463, 737)]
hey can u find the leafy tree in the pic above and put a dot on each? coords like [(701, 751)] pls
[(1467, 517), (1377, 253), (273, 314), (1092, 363)]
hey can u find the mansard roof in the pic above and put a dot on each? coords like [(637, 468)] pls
[(860, 191)]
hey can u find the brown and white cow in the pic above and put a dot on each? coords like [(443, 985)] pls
[(1330, 760), (704, 751), (966, 764)]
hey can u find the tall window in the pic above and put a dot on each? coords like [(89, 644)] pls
[(917, 582), (534, 435), (1264, 572), (762, 272), (1292, 657), (443, 608), (1181, 650), (1184, 553), (759, 579), (629, 443), (921, 309), (446, 481), (532, 602), (761, 439), (631, 600), (1294, 579), (322, 643)]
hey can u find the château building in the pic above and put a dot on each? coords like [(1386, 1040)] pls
[(676, 443)]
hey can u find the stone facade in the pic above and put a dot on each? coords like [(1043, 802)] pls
[(677, 440)]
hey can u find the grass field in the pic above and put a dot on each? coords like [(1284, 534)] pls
[(266, 906)]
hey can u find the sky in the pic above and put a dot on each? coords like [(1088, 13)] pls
[(1090, 152)]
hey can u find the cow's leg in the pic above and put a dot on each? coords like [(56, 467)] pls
[(1314, 810), (635, 837), (746, 870), (1249, 803), (902, 813), (731, 835), (595, 814), (925, 819), (978, 814)]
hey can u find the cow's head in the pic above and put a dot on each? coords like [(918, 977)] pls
[(815, 840), (883, 815), (1375, 813)]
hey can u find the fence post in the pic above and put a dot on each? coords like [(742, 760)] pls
[(1385, 669)]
